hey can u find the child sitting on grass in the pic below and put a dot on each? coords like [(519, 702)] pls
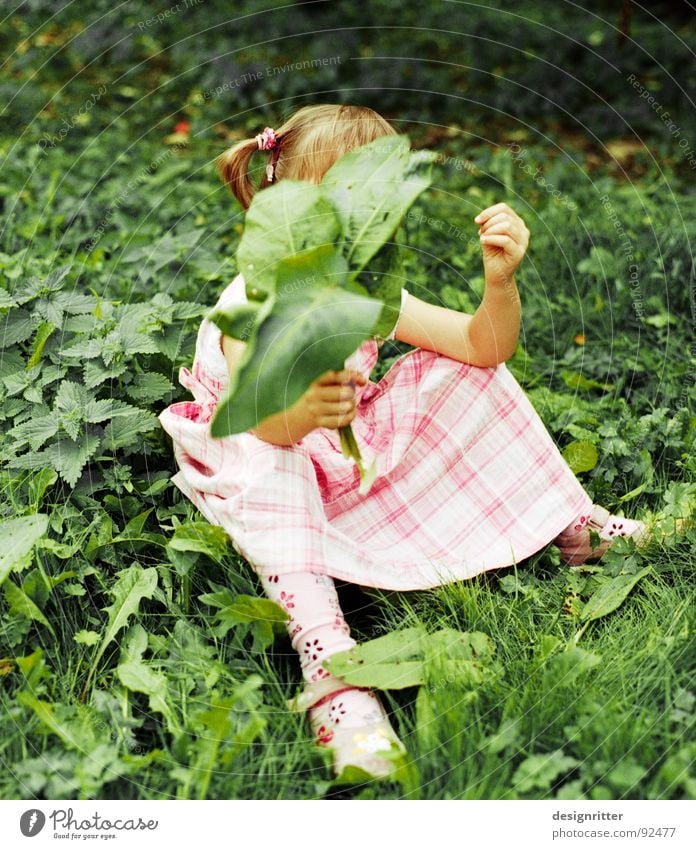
[(468, 477)]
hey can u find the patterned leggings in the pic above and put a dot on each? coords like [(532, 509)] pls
[(317, 630)]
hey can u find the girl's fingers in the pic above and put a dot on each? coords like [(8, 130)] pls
[(333, 392), (516, 234), (496, 209), (343, 376), (500, 241), (494, 220), (503, 225)]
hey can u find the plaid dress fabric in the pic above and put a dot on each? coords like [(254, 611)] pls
[(469, 479)]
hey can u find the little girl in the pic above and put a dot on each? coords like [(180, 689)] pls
[(468, 477)]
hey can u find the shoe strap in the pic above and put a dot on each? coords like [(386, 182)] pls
[(600, 516)]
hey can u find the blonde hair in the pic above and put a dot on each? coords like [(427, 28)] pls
[(310, 140)]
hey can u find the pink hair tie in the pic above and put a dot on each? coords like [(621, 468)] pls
[(267, 140)]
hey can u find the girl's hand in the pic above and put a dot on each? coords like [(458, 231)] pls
[(504, 238), (330, 400)]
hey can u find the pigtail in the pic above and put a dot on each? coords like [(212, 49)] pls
[(233, 168)]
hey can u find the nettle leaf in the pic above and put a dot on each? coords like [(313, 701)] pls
[(71, 397), (284, 219), (16, 327), (65, 456), (85, 349), (6, 300), (611, 595), (129, 429), (149, 387), (19, 535), (314, 325), (107, 408), (96, 373), (34, 431), (69, 458)]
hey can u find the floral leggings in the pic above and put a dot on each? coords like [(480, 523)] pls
[(317, 630)]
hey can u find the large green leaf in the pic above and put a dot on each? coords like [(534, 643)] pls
[(390, 662), (610, 595), (384, 280), (21, 605), (19, 536), (314, 325), (372, 188), (282, 220)]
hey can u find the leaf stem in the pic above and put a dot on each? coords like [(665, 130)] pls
[(351, 450)]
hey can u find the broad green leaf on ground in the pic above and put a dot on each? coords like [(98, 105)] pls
[(226, 731), (458, 657), (564, 668), (580, 456), (203, 538), (610, 595), (86, 638), (282, 220), (132, 586), (18, 539), (20, 604), (372, 188), (71, 736), (410, 657), (392, 661), (315, 325)]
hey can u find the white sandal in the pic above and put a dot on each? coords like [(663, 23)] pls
[(351, 746)]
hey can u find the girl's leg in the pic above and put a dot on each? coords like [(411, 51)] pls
[(575, 541), (317, 630)]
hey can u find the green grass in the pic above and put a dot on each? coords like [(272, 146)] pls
[(608, 715)]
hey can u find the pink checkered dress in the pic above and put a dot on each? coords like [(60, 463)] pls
[(469, 479)]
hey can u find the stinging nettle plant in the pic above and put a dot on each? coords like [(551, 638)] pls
[(322, 271)]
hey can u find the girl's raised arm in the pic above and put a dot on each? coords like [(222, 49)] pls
[(489, 336)]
